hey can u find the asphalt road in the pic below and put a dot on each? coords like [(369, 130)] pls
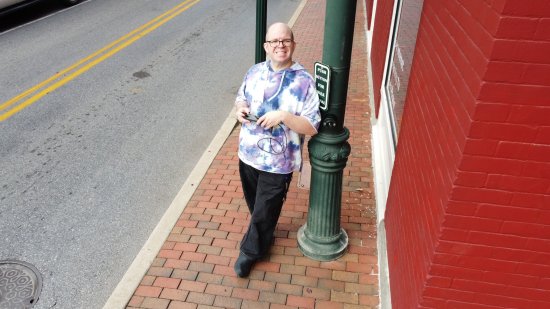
[(90, 161)]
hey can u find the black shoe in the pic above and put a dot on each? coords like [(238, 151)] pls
[(243, 265)]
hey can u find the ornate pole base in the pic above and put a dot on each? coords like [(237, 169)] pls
[(321, 238), (322, 249)]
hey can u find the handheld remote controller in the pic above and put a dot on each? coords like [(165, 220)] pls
[(251, 117)]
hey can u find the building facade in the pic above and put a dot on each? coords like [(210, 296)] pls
[(461, 147)]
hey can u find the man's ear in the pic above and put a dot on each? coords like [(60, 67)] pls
[(265, 48)]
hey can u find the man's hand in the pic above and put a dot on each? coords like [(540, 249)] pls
[(271, 119), (241, 111)]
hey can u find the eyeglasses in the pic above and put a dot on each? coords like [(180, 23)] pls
[(275, 43)]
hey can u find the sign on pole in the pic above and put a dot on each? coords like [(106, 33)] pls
[(322, 83)]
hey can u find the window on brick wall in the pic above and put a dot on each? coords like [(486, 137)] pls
[(403, 42)]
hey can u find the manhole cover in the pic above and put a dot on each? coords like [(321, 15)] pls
[(20, 285)]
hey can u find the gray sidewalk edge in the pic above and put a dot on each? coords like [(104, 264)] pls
[(137, 270)]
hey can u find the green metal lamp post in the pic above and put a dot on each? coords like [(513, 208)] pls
[(261, 25), (322, 238)]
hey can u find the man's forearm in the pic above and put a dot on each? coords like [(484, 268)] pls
[(299, 124)]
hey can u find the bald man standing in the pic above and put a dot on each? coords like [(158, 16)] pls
[(277, 105)]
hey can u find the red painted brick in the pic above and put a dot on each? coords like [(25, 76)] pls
[(491, 165), (518, 28), (504, 131), (429, 302), (466, 249), (542, 247), (534, 270), (543, 136), (518, 94), (530, 115), (511, 279), (455, 272), (526, 229), (497, 240), (536, 8), (472, 223), (507, 213), (482, 195), (470, 179), (449, 294), (483, 147), (500, 71), (462, 208), (457, 235)]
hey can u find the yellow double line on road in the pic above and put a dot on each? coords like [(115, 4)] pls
[(31, 95)]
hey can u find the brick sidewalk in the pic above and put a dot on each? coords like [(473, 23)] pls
[(194, 268)]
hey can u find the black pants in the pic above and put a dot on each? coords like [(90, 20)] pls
[(264, 194)]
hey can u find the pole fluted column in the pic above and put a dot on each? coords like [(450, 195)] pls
[(322, 238)]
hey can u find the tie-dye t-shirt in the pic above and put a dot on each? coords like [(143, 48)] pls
[(277, 150)]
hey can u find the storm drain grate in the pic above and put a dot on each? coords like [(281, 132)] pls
[(20, 285)]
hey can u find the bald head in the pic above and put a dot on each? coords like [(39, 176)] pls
[(279, 46), (278, 29)]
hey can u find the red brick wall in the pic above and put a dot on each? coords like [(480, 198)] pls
[(468, 212), (380, 38)]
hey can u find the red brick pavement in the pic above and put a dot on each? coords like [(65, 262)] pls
[(194, 268)]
